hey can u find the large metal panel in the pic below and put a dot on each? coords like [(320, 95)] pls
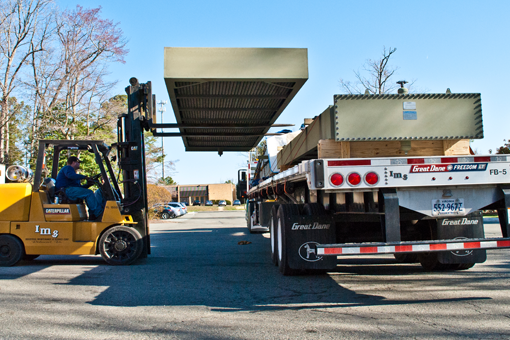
[(408, 117), (226, 99)]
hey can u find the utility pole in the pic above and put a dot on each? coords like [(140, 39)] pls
[(162, 109)]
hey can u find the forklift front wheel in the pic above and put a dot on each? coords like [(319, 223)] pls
[(120, 245), (11, 250)]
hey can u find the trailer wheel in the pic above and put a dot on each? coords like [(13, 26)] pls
[(249, 221), (11, 250), (430, 262), (464, 266), (250, 225), (284, 211), (120, 245), (273, 232), (314, 209), (406, 258)]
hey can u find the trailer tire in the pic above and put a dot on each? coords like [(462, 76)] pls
[(430, 262), (284, 211), (120, 245), (11, 250), (250, 208), (273, 233), (406, 258), (250, 225), (464, 266), (314, 209)]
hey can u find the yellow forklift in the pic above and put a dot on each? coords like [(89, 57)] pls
[(35, 220)]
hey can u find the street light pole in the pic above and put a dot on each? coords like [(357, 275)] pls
[(162, 109)]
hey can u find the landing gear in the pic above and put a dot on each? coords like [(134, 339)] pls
[(11, 250), (120, 245)]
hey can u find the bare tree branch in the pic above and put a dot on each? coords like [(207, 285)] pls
[(376, 76)]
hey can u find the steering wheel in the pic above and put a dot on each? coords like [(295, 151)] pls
[(96, 177), (95, 180)]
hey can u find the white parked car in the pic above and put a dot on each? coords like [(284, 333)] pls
[(179, 206), (166, 211), (184, 207)]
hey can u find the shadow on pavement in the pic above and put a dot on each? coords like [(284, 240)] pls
[(207, 267)]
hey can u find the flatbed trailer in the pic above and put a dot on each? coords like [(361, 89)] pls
[(421, 206)]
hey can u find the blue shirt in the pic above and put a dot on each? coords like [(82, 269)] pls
[(67, 177)]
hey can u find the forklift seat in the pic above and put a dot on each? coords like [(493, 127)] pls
[(63, 199)]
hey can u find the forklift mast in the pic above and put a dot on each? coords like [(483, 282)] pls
[(131, 154)]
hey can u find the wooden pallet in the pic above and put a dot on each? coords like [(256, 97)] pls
[(329, 148)]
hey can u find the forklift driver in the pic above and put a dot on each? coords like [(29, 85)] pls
[(69, 180)]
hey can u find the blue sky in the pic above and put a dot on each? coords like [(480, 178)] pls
[(461, 45)]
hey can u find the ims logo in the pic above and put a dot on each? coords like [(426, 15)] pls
[(46, 231)]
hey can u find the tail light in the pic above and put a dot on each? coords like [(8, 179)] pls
[(354, 179), (336, 179), (371, 178)]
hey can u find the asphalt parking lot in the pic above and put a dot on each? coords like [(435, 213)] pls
[(200, 283)]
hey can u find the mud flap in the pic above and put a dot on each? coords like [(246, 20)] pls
[(302, 235), (469, 226), (265, 213)]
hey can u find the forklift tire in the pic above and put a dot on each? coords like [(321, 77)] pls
[(273, 232), (284, 211), (11, 250), (120, 245)]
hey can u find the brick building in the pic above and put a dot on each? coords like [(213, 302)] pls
[(202, 192)]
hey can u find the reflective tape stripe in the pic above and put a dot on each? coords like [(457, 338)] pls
[(421, 247), (369, 250), (472, 245), (408, 248), (351, 250), (489, 244), (503, 243), (410, 161), (455, 246), (388, 249), (404, 248), (350, 162), (438, 246)]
